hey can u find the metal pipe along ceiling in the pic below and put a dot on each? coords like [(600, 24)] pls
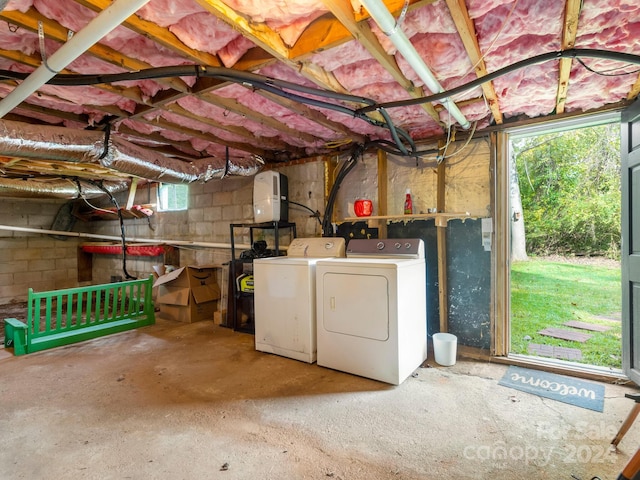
[(387, 24), (97, 28)]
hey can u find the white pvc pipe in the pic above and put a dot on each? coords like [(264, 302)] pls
[(177, 243), (387, 24), (97, 28)]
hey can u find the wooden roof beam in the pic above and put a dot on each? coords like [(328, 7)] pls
[(569, 32), (467, 32)]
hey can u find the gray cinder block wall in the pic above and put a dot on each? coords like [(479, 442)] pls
[(31, 260)]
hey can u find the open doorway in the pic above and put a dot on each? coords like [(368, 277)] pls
[(565, 287)]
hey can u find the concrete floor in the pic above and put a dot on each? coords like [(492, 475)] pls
[(196, 401)]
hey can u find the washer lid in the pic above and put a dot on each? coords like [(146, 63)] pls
[(316, 247)]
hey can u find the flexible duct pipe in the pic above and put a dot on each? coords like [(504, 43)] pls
[(97, 28), (57, 188), (387, 24), (23, 140)]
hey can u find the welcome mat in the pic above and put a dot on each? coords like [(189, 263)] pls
[(569, 390)]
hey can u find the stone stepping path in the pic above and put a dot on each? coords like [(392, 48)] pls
[(565, 334), (551, 351), (587, 326)]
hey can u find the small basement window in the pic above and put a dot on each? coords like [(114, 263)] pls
[(172, 198)]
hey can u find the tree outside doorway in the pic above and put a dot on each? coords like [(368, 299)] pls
[(565, 211)]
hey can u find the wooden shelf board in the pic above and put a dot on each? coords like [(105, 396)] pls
[(415, 216)]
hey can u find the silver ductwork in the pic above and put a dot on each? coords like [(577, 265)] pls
[(80, 146), (65, 189)]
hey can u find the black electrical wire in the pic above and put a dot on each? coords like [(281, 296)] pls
[(107, 134), (122, 232), (314, 214), (327, 228), (271, 85), (283, 88), (605, 73), (545, 57)]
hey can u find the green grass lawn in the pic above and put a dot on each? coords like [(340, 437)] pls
[(548, 294)]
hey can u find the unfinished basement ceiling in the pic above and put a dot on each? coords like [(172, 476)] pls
[(227, 112)]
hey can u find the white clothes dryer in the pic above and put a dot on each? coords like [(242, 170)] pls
[(372, 309), (285, 298)]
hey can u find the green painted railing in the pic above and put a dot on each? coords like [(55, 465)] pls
[(61, 317)]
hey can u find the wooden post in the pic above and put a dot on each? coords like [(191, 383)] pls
[(382, 192), (132, 193), (441, 237)]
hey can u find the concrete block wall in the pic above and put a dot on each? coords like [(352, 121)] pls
[(32, 260), (213, 206)]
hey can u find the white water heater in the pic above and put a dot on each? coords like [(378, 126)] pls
[(270, 197)]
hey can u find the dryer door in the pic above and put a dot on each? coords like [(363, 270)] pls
[(356, 304)]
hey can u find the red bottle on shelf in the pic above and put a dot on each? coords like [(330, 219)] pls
[(408, 204)]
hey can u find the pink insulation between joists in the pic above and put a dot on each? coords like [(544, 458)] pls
[(266, 107), (168, 12), (204, 32), (288, 18), (74, 17)]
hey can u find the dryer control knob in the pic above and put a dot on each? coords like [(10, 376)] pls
[(398, 245), (407, 245), (380, 245)]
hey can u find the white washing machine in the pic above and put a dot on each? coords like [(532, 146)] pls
[(372, 309), (285, 297)]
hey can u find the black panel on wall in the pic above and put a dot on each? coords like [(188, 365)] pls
[(469, 283), (349, 230), (468, 278), (426, 230)]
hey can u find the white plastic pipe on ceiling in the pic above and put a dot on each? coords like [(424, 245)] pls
[(389, 27), (97, 28)]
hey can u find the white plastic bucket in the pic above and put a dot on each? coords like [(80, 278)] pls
[(445, 347)]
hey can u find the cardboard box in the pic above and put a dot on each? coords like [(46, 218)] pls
[(188, 294)]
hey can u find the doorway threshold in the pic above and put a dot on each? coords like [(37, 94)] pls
[(574, 369)]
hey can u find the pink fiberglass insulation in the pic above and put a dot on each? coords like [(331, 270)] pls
[(509, 34), (354, 124), (39, 116), (500, 27), (168, 12), (266, 107), (613, 19), (604, 28), (88, 96), (437, 51), (359, 76), (432, 18), (20, 5), (234, 50), (21, 40), (140, 127), (75, 17), (528, 91), (588, 90), (219, 151), (225, 117), (283, 72), (176, 136), (204, 32), (349, 52), (288, 18)]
